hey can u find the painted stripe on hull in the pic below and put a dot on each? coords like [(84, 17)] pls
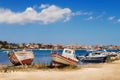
[(64, 57), (57, 58), (27, 61), (14, 59)]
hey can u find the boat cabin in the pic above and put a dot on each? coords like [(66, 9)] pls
[(97, 53), (69, 53)]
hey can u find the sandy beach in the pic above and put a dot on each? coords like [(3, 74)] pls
[(104, 71)]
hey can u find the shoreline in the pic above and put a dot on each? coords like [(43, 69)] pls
[(102, 71)]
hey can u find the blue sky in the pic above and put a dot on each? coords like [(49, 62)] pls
[(88, 22)]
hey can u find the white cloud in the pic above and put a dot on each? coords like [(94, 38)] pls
[(53, 13), (82, 13), (111, 18), (101, 15), (89, 18), (118, 20), (48, 14), (42, 6), (87, 13)]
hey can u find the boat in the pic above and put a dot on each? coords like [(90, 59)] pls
[(94, 57), (66, 58), (113, 54), (21, 57)]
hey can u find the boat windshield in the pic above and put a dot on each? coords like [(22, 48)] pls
[(67, 51)]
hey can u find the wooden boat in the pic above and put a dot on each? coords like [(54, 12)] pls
[(66, 58), (21, 57)]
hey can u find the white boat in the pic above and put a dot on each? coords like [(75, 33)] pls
[(66, 58), (94, 56), (21, 57)]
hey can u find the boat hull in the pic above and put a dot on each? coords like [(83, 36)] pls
[(94, 59), (61, 60), (21, 58)]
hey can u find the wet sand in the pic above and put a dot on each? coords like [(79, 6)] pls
[(104, 71)]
